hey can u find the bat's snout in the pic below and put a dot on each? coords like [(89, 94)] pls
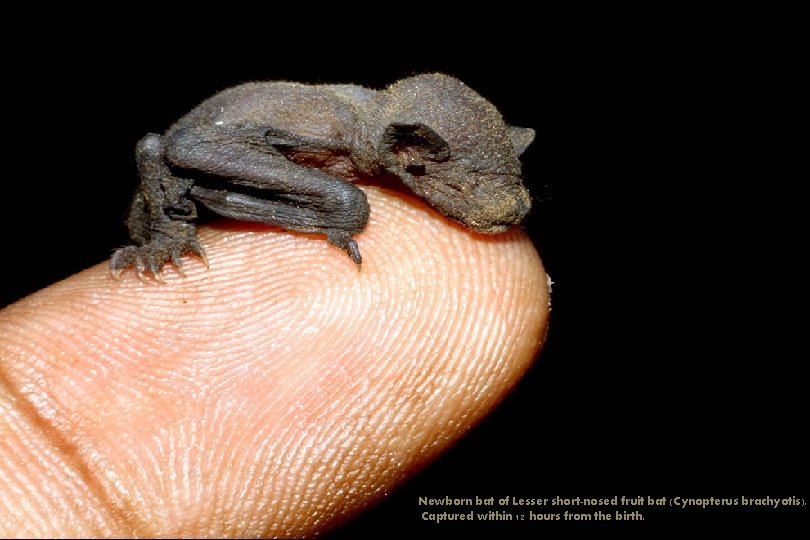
[(501, 206)]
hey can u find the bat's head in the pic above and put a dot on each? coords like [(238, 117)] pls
[(451, 147)]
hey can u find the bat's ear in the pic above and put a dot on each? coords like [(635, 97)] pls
[(521, 138), (409, 146)]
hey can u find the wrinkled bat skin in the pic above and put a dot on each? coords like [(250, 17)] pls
[(286, 154)]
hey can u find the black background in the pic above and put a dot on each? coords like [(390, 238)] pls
[(668, 179)]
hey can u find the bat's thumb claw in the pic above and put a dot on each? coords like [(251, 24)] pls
[(345, 242)]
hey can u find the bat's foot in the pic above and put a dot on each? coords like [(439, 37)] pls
[(151, 257)]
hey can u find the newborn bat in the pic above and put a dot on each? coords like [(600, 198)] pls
[(286, 154)]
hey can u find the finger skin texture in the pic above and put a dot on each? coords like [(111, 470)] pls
[(277, 393)]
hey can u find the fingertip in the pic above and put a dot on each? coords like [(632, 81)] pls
[(310, 376)]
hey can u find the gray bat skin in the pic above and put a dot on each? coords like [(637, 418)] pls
[(286, 154)]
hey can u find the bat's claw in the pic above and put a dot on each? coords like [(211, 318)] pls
[(345, 242), (195, 248), (150, 258)]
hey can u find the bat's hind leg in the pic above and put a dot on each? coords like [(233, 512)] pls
[(160, 217)]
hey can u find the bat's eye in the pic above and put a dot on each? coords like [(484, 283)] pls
[(416, 169)]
